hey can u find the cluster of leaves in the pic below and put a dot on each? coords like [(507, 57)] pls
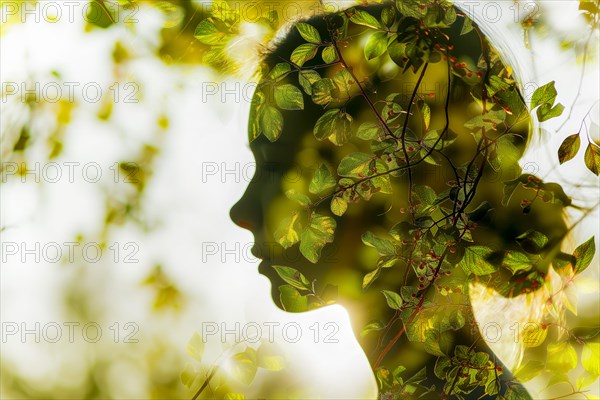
[(434, 245), (242, 368)]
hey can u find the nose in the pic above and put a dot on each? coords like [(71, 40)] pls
[(246, 213)]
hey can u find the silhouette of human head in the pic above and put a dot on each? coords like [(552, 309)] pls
[(384, 136)]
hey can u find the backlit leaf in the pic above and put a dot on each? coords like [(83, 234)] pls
[(287, 234), (303, 53), (322, 180), (361, 17), (475, 261), (569, 148), (584, 254), (329, 55), (308, 32), (376, 45), (393, 299), (293, 277), (244, 366), (289, 97), (592, 158)]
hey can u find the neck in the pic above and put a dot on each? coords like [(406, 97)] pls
[(440, 351)]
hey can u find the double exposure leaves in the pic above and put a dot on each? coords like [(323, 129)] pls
[(195, 347), (569, 148), (561, 357), (270, 122), (289, 97), (544, 98), (307, 78), (361, 17), (287, 234), (584, 255), (303, 53), (318, 233), (475, 261), (529, 370), (335, 125), (393, 299), (323, 91), (590, 358), (292, 300), (376, 45), (208, 33), (355, 165), (308, 32), (293, 277), (383, 246), (592, 158), (329, 55), (322, 180), (244, 365)]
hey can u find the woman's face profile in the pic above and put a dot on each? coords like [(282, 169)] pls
[(424, 142)]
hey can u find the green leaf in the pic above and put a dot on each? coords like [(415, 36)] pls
[(529, 370), (584, 254), (467, 26), (244, 366), (292, 300), (322, 91), (293, 277), (207, 33), (388, 15), (308, 32), (322, 180), (354, 164), (268, 358), (516, 392), (300, 198), (561, 357), (546, 111), (426, 115), (316, 236), (335, 125), (188, 376), (195, 347), (569, 148), (329, 55), (369, 131), (533, 242), (338, 206), (393, 299), (279, 70), (361, 17), (590, 358), (516, 261), (289, 97), (370, 277), (372, 326), (307, 78), (592, 158), (271, 122), (376, 45), (303, 53), (544, 95), (474, 261), (383, 246), (287, 232)]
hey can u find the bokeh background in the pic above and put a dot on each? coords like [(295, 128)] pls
[(124, 144)]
